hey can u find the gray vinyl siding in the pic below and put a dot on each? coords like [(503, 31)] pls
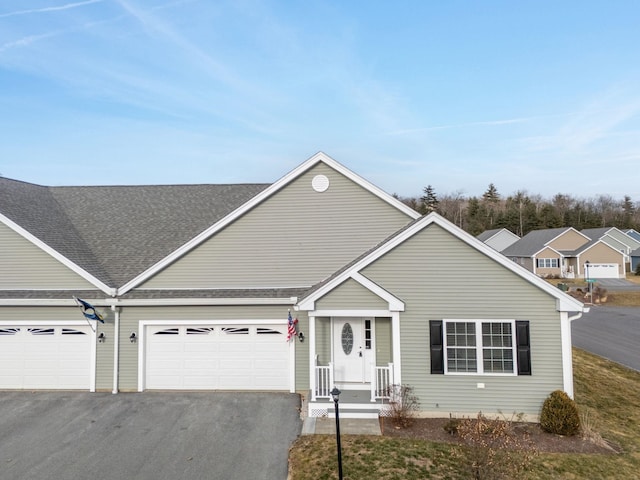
[(440, 277), (131, 316), (104, 351), (352, 296), (627, 240), (297, 237), (384, 350), (323, 340), (26, 266)]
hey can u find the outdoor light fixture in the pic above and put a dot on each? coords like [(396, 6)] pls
[(102, 337), (133, 338), (301, 337), (335, 394), (589, 282)]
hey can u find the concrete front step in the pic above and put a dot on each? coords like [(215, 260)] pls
[(348, 426), (347, 410)]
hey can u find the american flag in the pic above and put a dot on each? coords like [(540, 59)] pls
[(291, 327)]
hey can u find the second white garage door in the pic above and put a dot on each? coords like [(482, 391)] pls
[(217, 357)]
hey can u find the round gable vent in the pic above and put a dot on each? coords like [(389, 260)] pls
[(320, 183)]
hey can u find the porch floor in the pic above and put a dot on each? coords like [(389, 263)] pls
[(351, 396)]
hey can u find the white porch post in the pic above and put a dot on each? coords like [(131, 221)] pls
[(567, 354), (395, 336), (312, 355)]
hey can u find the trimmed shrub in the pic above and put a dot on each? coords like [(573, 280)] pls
[(560, 414)]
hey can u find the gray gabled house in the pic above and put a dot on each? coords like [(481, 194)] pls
[(196, 284), (498, 238)]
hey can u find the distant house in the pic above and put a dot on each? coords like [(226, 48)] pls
[(196, 284), (618, 239), (633, 234), (563, 253), (635, 260), (499, 238)]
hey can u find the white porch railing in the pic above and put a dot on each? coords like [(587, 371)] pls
[(324, 381), (382, 380)]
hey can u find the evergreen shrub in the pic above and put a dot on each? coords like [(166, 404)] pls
[(560, 414)]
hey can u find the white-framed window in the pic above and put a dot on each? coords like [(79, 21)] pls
[(548, 262), (482, 347)]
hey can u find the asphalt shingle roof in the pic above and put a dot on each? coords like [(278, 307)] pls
[(487, 234), (117, 232), (532, 242)]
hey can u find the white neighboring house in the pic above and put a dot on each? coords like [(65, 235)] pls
[(498, 238)]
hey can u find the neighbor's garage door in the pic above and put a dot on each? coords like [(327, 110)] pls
[(45, 357), (238, 357), (602, 270)]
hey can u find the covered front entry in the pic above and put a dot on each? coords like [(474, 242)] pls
[(211, 356), (357, 355)]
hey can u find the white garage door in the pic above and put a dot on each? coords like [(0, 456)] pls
[(602, 270), (45, 357), (217, 357)]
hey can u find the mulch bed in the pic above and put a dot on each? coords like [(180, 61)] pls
[(432, 429)]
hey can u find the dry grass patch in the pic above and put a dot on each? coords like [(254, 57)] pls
[(623, 299), (632, 277)]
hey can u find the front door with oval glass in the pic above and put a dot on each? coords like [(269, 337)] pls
[(352, 350)]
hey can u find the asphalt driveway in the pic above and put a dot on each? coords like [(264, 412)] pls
[(154, 436), (611, 332)]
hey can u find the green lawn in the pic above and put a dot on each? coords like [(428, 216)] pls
[(608, 393)]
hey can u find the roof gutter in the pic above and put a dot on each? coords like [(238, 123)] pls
[(145, 302)]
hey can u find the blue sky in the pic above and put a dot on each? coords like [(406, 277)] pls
[(542, 96)]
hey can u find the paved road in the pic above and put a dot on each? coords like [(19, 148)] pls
[(618, 284), (146, 436), (611, 332)]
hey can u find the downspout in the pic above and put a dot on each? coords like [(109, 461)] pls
[(116, 347)]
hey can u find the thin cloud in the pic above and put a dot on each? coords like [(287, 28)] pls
[(462, 125), (26, 41), (50, 9), (594, 125)]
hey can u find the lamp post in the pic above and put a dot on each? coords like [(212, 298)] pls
[(335, 394), (586, 268)]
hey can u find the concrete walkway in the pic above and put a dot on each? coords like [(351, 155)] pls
[(348, 426)]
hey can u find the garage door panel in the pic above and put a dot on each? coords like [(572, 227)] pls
[(45, 357), (203, 363), (236, 364), (198, 383), (238, 357), (603, 270)]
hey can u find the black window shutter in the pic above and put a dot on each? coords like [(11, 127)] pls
[(436, 342), (523, 346)]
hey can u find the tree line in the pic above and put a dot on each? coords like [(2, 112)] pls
[(522, 212)]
